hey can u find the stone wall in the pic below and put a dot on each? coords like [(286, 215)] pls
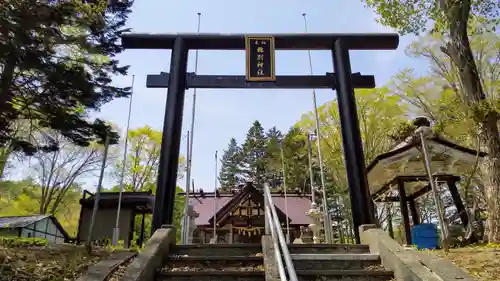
[(408, 264), (154, 254)]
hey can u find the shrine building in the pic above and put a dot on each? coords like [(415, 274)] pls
[(239, 214)]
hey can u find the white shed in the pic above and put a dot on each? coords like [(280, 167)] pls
[(38, 226)]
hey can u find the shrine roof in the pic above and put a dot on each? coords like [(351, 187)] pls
[(297, 206)]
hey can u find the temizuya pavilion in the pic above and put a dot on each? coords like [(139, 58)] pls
[(400, 175)]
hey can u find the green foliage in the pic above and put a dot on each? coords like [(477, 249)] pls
[(274, 138), (51, 74), (253, 162), (22, 198), (416, 16), (296, 159), (230, 174), (22, 242)]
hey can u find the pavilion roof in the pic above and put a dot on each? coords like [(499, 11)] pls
[(142, 202), (405, 161)]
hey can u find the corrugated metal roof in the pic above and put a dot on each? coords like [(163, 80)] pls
[(20, 221)]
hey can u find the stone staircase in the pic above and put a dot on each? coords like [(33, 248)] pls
[(161, 260), (244, 262), (346, 262), (210, 262)]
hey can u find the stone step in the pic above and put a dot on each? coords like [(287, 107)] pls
[(328, 248), (217, 250), (214, 263), (211, 276), (336, 261), (344, 275)]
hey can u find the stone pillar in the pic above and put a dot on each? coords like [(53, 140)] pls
[(192, 215), (268, 253), (231, 234), (315, 214)]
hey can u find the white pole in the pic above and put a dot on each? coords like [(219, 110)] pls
[(286, 199), (215, 201), (444, 229), (98, 193), (116, 230), (311, 175), (185, 218), (326, 216), (189, 156)]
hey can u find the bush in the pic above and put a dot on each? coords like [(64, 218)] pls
[(22, 241)]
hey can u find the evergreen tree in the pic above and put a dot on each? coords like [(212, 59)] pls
[(56, 61), (296, 159), (273, 153), (229, 175), (253, 165)]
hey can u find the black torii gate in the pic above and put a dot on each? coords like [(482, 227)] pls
[(343, 80)]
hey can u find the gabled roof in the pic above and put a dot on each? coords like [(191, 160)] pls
[(14, 222), (297, 206), (248, 190)]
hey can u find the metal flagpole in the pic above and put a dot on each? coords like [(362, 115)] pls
[(326, 216), (189, 157), (185, 218), (98, 192), (116, 230), (285, 188), (214, 238), (423, 131), (311, 175)]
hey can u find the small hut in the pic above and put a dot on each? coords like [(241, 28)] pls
[(35, 226), (400, 175), (133, 204)]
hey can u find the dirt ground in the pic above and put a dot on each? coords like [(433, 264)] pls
[(482, 262), (46, 263)]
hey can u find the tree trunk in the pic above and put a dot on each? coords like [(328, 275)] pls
[(460, 53)]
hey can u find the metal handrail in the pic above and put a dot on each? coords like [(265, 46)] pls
[(273, 227)]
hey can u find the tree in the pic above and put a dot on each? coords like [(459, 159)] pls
[(229, 175), (58, 170), (57, 62), (253, 165), (142, 160), (379, 112), (452, 19), (273, 153), (143, 155), (296, 159)]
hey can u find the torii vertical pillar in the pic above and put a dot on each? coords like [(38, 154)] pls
[(362, 205), (170, 143)]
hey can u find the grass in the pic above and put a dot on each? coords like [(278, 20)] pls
[(480, 261), (32, 259)]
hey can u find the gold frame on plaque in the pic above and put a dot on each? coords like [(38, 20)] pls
[(248, 54)]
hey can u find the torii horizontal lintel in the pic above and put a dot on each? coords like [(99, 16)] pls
[(290, 41), (282, 82)]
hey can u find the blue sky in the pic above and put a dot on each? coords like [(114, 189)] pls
[(222, 114)]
